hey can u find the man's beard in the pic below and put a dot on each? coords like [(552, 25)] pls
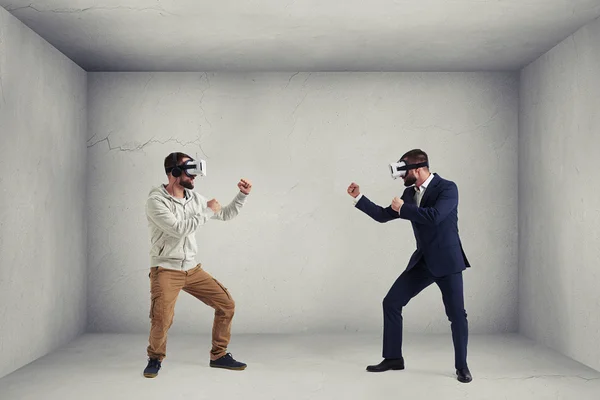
[(411, 180), (187, 184)]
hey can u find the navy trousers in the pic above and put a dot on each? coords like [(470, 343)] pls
[(407, 286)]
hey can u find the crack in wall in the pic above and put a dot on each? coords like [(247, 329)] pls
[(145, 90), (292, 188), (36, 8), (93, 136), (199, 144), (299, 103), (143, 145), (202, 99), (290, 80), (294, 113)]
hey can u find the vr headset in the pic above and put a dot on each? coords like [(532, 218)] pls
[(398, 169), (190, 167)]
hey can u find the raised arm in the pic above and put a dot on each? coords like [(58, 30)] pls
[(231, 210), (375, 211)]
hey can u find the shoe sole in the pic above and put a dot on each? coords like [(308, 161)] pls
[(383, 370), (231, 368), (150, 375)]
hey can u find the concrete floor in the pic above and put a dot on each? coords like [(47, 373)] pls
[(284, 367)]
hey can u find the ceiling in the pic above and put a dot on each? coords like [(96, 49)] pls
[(303, 35)]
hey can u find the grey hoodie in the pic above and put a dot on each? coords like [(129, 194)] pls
[(173, 223)]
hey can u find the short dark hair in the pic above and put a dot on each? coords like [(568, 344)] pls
[(415, 156), (169, 163)]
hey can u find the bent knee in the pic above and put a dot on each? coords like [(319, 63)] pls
[(456, 315), (389, 304), (227, 306), (230, 305)]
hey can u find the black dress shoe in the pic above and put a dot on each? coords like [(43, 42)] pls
[(387, 364), (464, 375)]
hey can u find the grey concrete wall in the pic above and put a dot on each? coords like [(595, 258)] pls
[(300, 258), (559, 210), (42, 196)]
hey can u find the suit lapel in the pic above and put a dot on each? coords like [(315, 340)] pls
[(430, 188), (410, 199)]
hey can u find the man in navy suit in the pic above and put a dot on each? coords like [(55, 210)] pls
[(430, 203)]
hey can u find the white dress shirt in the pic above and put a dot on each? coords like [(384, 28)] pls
[(420, 191)]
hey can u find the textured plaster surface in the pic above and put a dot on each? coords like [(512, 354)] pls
[(309, 35), (558, 202), (307, 367), (42, 196), (300, 257)]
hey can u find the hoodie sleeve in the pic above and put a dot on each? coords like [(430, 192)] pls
[(232, 209), (164, 218)]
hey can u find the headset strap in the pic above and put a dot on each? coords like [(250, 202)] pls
[(413, 166)]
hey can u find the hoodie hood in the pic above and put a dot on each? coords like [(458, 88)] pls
[(161, 190)]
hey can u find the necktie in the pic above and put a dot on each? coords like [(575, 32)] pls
[(419, 195)]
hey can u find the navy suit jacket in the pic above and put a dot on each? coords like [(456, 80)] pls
[(435, 225)]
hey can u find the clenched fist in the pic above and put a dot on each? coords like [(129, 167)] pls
[(353, 190), (214, 205), (397, 203), (245, 186)]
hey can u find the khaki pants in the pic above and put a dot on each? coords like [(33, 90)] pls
[(165, 285)]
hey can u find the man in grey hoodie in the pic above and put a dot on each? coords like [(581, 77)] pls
[(174, 212)]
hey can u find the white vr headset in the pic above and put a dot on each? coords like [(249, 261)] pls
[(190, 168), (398, 169), (195, 167)]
